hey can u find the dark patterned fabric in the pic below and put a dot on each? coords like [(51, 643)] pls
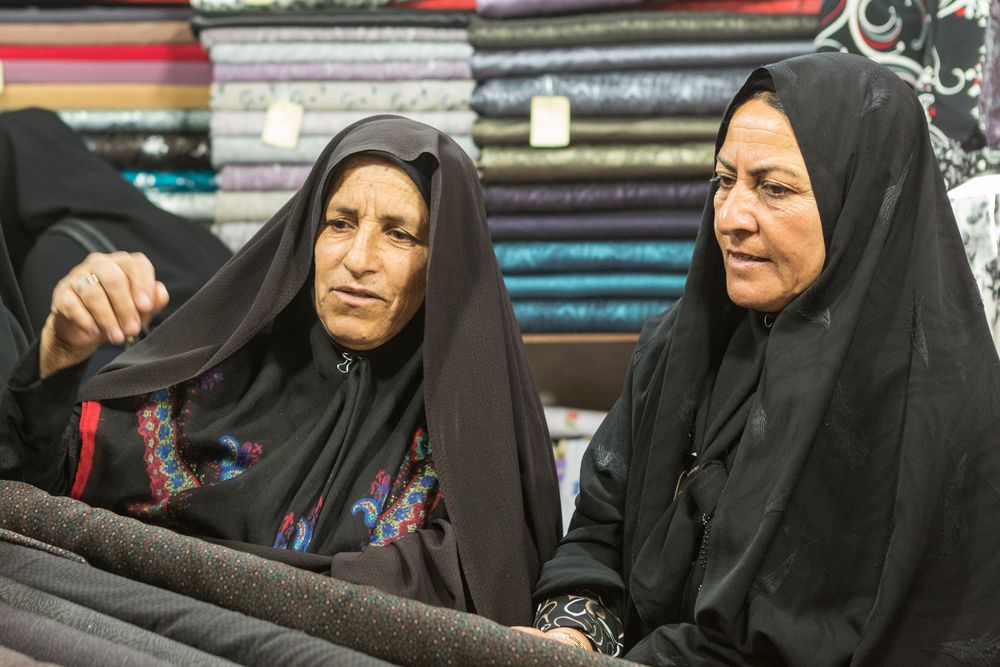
[(602, 627), (936, 46), (102, 626), (208, 630), (16, 538), (397, 630), (45, 639)]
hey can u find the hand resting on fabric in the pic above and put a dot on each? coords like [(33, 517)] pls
[(104, 299), (567, 636)]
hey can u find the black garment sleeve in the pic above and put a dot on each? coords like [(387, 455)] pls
[(39, 420), (589, 616), (423, 566)]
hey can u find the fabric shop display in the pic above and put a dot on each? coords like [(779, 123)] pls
[(112, 71), (386, 70), (595, 285), (333, 34), (269, 604), (191, 205), (496, 131), (151, 151), (512, 165), (136, 32), (172, 181), (305, 52), (226, 123), (422, 95), (609, 316), (104, 95), (568, 256), (250, 149), (137, 120), (178, 52), (262, 176), (414, 18)]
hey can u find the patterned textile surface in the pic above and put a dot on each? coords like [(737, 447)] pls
[(393, 629), (635, 224), (489, 131), (565, 256), (152, 150), (214, 36), (411, 96), (634, 27), (225, 123), (317, 19), (500, 8), (386, 70), (596, 286), (636, 93), (137, 120), (572, 197), (251, 150), (301, 52), (17, 538), (529, 62), (596, 162), (208, 629), (609, 316), (100, 625), (989, 101), (977, 210)]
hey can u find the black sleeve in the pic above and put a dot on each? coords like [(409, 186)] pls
[(589, 616), (423, 566), (39, 421)]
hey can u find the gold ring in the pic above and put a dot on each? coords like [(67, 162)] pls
[(85, 282)]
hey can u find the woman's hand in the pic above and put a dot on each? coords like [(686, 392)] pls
[(104, 299), (567, 636)]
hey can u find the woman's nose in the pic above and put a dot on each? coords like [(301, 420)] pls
[(736, 212), (362, 255)]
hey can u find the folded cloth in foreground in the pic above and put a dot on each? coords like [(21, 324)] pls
[(400, 631)]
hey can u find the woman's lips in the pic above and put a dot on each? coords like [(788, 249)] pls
[(742, 260), (356, 296)]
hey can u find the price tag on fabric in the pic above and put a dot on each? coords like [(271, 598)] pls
[(549, 121), (282, 124)]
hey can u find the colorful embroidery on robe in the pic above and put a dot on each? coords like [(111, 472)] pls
[(162, 428), (391, 511), (296, 534)]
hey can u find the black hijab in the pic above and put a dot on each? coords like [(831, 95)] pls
[(458, 367), (853, 512)]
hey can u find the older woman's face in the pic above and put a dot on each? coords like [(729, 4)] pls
[(371, 254), (766, 219)]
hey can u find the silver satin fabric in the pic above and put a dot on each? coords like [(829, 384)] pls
[(304, 52), (250, 149), (390, 34), (525, 62), (640, 93), (137, 120), (227, 123)]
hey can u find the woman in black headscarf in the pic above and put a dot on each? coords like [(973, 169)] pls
[(349, 393), (803, 466)]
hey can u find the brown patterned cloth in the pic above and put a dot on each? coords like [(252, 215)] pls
[(400, 631)]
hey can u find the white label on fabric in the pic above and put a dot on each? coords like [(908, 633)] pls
[(282, 124), (549, 121)]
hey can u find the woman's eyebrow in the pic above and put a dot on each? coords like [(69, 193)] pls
[(759, 170)]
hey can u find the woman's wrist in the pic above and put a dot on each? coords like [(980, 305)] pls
[(572, 636)]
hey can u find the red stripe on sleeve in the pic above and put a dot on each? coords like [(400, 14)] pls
[(88, 433)]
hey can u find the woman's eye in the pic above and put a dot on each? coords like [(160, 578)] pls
[(400, 235), (725, 181), (775, 190), (337, 224)]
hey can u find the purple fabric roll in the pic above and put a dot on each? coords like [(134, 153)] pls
[(344, 71), (263, 176), (507, 8), (567, 197), (111, 71), (682, 224)]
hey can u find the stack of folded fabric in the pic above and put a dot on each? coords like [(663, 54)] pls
[(132, 80), (327, 69), (596, 235)]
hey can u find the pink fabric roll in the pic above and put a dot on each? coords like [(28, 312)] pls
[(263, 176), (108, 71)]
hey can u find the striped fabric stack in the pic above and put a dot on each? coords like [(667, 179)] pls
[(317, 72), (132, 80), (596, 235)]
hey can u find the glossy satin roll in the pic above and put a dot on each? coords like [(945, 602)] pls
[(585, 256), (670, 223), (638, 93), (136, 120), (615, 58), (261, 34), (607, 316), (501, 164), (235, 123), (172, 181), (516, 132), (151, 151), (596, 286), (344, 71), (635, 27), (573, 197)]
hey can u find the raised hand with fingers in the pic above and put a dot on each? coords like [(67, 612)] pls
[(107, 298)]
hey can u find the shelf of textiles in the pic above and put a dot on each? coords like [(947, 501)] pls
[(131, 80), (327, 69), (596, 234)]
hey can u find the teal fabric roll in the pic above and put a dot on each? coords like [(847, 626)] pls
[(596, 286), (586, 316), (172, 181), (588, 256)]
